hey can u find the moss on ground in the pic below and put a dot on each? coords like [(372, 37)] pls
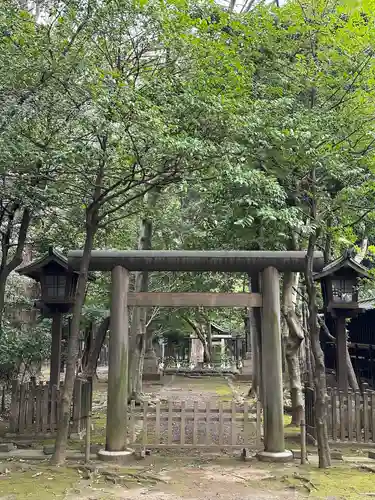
[(349, 483), (39, 482)]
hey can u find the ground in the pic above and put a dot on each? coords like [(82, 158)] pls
[(177, 476)]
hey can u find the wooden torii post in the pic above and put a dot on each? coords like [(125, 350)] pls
[(268, 264)]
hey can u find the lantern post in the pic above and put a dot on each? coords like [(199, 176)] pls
[(340, 285), (58, 286)]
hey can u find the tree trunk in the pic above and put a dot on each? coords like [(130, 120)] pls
[(7, 267), (292, 344), (139, 318), (92, 356), (73, 347), (256, 334), (320, 376), (353, 382)]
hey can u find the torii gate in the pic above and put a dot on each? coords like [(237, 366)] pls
[(268, 264)]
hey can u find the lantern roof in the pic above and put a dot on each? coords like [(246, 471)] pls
[(345, 262), (35, 268)]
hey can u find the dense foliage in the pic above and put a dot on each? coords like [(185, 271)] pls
[(181, 124)]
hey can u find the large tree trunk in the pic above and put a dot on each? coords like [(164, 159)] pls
[(73, 347), (7, 266), (93, 353), (320, 375), (292, 344), (353, 382), (139, 318)]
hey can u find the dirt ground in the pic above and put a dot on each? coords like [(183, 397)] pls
[(173, 475)]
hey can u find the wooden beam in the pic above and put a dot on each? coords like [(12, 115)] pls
[(196, 260), (194, 299)]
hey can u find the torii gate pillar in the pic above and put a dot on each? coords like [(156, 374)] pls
[(117, 402), (272, 376)]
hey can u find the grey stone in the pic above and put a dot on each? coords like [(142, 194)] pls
[(296, 453), (371, 454), (94, 448), (24, 445), (6, 447), (49, 449), (336, 455)]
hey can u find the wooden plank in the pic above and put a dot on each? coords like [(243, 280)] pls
[(194, 299), (350, 416), (157, 423), (358, 434), (221, 424), (208, 427), (334, 415), (170, 422), (190, 417), (14, 407), (22, 422), (342, 415), (373, 416), (183, 423), (144, 433), (214, 411), (366, 417), (233, 427), (195, 423), (45, 409)]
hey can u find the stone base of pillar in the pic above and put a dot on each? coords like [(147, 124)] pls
[(118, 457), (150, 364), (280, 456)]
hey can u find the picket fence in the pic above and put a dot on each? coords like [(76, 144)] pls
[(351, 415), (195, 425), (35, 408)]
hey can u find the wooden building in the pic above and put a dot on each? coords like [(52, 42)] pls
[(361, 343)]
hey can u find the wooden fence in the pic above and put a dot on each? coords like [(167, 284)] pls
[(351, 415), (35, 408), (212, 425)]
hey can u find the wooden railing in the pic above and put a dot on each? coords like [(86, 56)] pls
[(350, 416), (35, 408), (177, 425)]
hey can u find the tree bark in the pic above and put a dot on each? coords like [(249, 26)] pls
[(6, 267), (200, 334), (256, 339), (293, 344), (352, 378), (319, 375), (73, 347), (92, 356), (139, 318)]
